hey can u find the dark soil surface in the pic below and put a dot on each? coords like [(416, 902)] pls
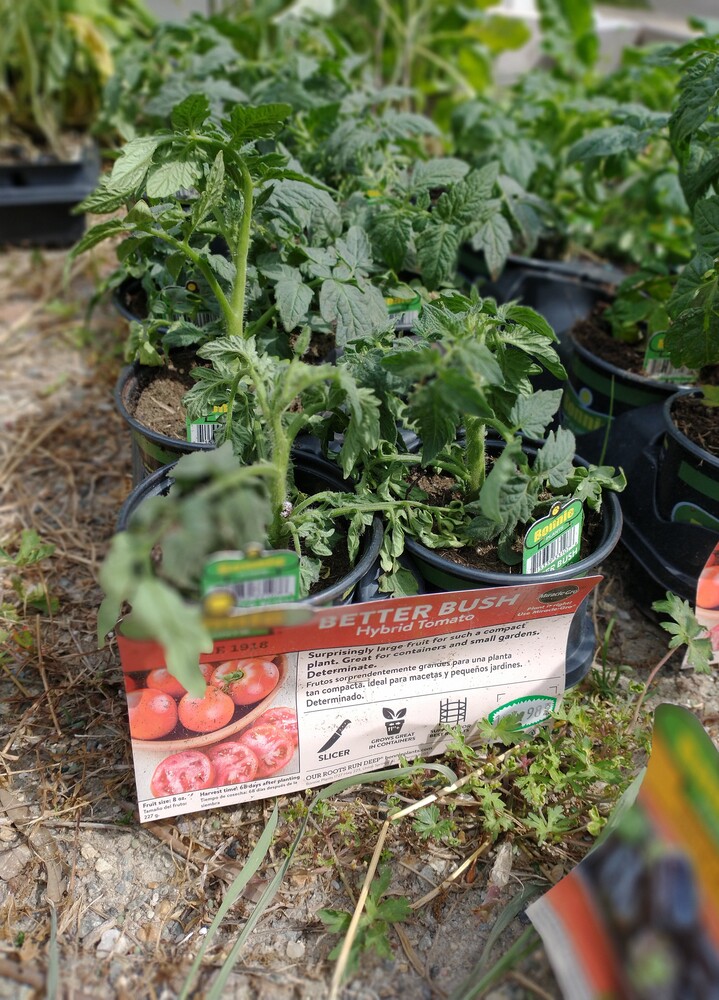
[(159, 405), (699, 422), (594, 334)]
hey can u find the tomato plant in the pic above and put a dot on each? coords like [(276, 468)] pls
[(284, 718), (206, 714), (234, 763), (153, 714), (187, 771), (273, 748), (246, 681)]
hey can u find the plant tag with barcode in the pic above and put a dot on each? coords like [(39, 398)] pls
[(657, 363), (204, 431), (554, 541), (252, 578), (404, 311)]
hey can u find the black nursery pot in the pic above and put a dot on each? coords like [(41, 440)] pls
[(312, 474), (150, 450), (598, 392), (688, 480), (37, 199), (444, 575)]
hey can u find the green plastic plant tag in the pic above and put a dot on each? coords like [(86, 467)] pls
[(204, 431), (250, 579), (404, 311), (554, 541), (657, 363)]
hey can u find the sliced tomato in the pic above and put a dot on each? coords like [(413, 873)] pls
[(188, 771), (284, 718), (272, 747), (234, 763)]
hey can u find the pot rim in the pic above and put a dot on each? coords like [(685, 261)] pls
[(154, 484), (641, 381), (176, 444), (701, 454)]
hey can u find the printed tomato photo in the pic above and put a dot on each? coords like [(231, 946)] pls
[(284, 718), (233, 762), (188, 771), (207, 714), (162, 680), (272, 747), (153, 714), (246, 681)]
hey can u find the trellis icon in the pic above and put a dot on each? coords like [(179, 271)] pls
[(453, 712)]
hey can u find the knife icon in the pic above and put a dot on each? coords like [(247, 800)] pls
[(335, 736)]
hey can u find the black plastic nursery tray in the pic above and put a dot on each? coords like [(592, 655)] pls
[(36, 200)]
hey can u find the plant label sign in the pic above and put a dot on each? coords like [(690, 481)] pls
[(639, 917), (342, 690)]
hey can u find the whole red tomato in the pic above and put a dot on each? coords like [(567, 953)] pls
[(162, 680), (246, 681), (234, 763), (182, 772), (152, 714), (284, 718), (207, 714), (272, 747)]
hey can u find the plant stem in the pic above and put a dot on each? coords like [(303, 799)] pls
[(476, 431), (650, 678), (240, 254)]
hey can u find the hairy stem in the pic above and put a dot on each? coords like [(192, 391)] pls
[(476, 431)]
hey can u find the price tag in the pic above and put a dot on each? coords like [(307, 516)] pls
[(250, 579), (554, 541), (404, 311), (204, 431)]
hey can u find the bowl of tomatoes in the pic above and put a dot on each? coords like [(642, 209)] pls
[(164, 716)]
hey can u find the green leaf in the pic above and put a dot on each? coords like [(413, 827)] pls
[(247, 122), (532, 414), (191, 114), (212, 191), (503, 497), (354, 312), (435, 424), (130, 168), (554, 459), (336, 921), (686, 631), (102, 231), (437, 250), (171, 177), (438, 173), (293, 302), (494, 239), (391, 232), (178, 627), (607, 142)]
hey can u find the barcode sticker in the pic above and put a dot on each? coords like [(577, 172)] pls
[(202, 433), (250, 579), (657, 363), (554, 541)]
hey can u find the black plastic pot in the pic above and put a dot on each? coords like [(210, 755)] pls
[(36, 200), (669, 549), (598, 392), (688, 482), (444, 575), (150, 450), (121, 295), (310, 473)]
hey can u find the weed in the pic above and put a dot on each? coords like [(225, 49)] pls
[(375, 923)]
